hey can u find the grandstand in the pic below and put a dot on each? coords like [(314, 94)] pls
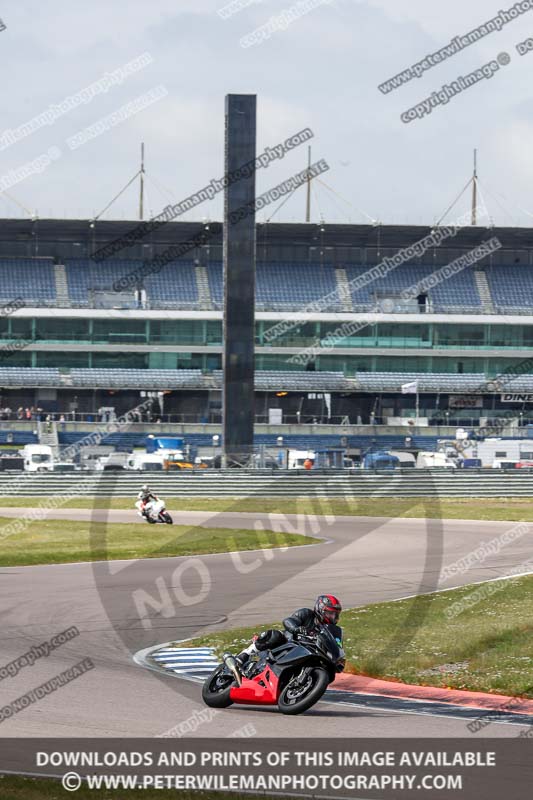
[(32, 279), (511, 288), (78, 344), (280, 287)]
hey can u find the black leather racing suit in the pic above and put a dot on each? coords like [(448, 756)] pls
[(302, 620)]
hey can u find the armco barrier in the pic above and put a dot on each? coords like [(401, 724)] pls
[(240, 483)]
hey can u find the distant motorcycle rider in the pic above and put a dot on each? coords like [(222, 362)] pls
[(303, 622), (146, 496)]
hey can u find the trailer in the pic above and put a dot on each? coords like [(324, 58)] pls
[(499, 452)]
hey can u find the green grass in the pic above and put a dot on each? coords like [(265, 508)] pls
[(16, 788), (488, 647), (62, 541), (482, 508)]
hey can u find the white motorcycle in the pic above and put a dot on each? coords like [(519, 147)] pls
[(154, 511)]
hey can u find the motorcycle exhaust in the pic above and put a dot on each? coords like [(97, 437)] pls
[(233, 667)]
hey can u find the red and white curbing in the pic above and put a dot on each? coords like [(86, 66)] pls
[(195, 663), (483, 701)]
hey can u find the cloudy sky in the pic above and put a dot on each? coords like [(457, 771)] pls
[(320, 71)]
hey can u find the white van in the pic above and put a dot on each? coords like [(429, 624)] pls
[(426, 460), (37, 457), (144, 461), (297, 458)]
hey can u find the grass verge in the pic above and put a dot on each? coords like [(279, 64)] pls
[(63, 541), (17, 788), (519, 509), (486, 648)]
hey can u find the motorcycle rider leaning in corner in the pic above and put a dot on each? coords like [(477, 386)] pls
[(304, 622), (146, 496)]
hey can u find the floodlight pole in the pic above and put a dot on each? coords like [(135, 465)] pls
[(239, 254)]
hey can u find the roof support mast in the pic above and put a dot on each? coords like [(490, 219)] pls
[(141, 190), (474, 182), (308, 204), (474, 192)]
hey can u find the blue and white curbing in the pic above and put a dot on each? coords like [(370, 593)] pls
[(191, 663), (195, 664)]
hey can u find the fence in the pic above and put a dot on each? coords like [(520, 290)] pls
[(264, 483)]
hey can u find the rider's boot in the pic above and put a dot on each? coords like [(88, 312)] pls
[(247, 654)]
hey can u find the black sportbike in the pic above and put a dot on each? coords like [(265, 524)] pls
[(293, 676)]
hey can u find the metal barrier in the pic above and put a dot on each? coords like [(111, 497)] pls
[(283, 484)]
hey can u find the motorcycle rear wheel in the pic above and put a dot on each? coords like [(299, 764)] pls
[(216, 689), (296, 700)]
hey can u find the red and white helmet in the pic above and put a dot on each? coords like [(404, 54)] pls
[(328, 609)]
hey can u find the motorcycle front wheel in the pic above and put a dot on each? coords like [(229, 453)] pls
[(298, 696), (216, 689), (167, 518)]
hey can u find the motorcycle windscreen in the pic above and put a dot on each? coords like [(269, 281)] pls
[(330, 643), (292, 656), (336, 632)]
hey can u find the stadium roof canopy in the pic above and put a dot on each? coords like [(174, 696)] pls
[(55, 231)]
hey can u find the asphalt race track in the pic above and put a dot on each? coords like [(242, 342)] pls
[(124, 606)]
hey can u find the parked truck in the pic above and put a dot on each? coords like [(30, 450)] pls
[(37, 458)]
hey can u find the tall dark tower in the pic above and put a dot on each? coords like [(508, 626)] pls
[(239, 280)]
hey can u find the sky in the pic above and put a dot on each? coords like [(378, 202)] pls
[(317, 66)]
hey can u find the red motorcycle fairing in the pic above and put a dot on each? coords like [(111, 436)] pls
[(262, 689)]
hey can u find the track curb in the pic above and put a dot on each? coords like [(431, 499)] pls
[(353, 687), (458, 697)]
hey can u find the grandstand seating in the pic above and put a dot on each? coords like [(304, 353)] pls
[(458, 293), (281, 286), (32, 279), (151, 379), (443, 383), (154, 379), (28, 376), (524, 383), (511, 288), (265, 380), (173, 286), (273, 380), (85, 275), (434, 382), (18, 438), (284, 286), (216, 283)]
